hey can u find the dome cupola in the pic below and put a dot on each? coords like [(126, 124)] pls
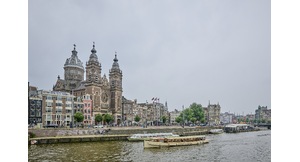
[(74, 61)]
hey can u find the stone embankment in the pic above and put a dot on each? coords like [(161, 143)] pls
[(57, 135)]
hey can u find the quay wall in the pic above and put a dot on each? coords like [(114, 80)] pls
[(57, 135), (58, 132)]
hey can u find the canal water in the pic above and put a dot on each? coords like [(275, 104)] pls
[(245, 147)]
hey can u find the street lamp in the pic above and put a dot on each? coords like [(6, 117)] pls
[(183, 115), (123, 110), (72, 106), (146, 113)]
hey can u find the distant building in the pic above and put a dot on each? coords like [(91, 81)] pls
[(226, 118), (263, 113), (212, 114), (57, 108), (34, 106), (173, 115), (87, 110)]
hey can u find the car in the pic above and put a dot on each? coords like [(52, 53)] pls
[(98, 126)]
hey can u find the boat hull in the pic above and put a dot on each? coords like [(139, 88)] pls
[(151, 144)]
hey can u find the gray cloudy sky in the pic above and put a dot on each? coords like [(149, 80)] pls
[(179, 51)]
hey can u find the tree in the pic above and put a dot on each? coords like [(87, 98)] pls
[(164, 119), (193, 119), (194, 113), (178, 119), (98, 118), (108, 118), (137, 118), (198, 111), (78, 117)]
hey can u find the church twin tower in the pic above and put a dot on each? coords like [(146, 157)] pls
[(106, 95)]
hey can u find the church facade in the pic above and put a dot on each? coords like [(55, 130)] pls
[(105, 93)]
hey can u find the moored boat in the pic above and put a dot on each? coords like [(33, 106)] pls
[(175, 141), (235, 128), (216, 131), (142, 137)]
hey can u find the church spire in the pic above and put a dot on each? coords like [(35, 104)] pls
[(115, 59), (93, 50), (74, 52)]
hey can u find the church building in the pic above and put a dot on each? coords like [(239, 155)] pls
[(105, 93)]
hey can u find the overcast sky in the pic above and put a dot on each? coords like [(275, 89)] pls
[(179, 51)]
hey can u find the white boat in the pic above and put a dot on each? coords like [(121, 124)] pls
[(216, 131), (174, 141), (142, 137)]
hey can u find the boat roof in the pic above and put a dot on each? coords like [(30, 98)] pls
[(236, 125), (182, 137), (150, 134)]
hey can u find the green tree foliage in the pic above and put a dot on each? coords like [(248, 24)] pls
[(197, 110), (193, 114), (98, 118), (164, 119), (137, 118), (247, 120), (78, 117), (178, 119), (108, 118)]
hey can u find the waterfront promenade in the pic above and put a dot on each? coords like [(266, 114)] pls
[(69, 135)]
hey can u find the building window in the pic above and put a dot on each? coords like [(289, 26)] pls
[(32, 113), (58, 104), (48, 109), (59, 97), (58, 110), (49, 97), (48, 104), (38, 113)]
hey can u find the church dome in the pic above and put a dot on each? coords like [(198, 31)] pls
[(74, 61)]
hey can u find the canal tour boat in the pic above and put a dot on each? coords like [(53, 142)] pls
[(216, 131), (142, 137), (235, 128), (174, 141)]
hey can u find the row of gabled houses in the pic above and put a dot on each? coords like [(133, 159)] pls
[(55, 107)]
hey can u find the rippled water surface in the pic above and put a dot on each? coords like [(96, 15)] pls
[(246, 147)]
